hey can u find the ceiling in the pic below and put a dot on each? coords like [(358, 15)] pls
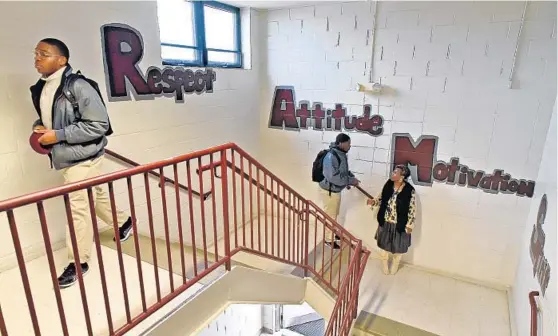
[(272, 4)]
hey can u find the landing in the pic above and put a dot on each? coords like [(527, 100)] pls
[(434, 303)]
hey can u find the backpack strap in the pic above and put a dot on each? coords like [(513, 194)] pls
[(67, 91), (334, 153)]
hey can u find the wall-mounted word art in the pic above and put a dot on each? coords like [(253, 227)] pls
[(425, 168), (286, 115), (123, 50), (541, 267)]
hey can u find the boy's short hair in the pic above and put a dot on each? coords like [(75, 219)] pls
[(61, 46), (342, 137)]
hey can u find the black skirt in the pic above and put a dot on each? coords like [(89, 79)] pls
[(390, 240)]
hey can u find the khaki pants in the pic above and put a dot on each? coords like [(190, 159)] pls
[(384, 256), (79, 203), (331, 204)]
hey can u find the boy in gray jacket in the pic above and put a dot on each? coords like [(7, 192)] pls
[(337, 177), (78, 143)]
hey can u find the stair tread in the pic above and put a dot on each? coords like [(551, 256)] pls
[(372, 324), (15, 310)]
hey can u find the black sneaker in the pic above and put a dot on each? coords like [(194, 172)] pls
[(125, 231), (69, 276), (333, 245)]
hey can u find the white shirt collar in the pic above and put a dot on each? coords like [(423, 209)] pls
[(58, 74)]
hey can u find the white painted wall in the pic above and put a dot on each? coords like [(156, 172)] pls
[(525, 282), (236, 320), (461, 231), (476, 116), (145, 131)]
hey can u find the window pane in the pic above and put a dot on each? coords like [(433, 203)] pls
[(222, 57), (220, 29), (176, 22), (174, 53)]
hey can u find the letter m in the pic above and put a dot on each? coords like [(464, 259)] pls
[(419, 156)]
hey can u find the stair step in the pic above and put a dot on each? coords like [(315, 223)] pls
[(16, 312), (334, 268), (146, 255), (374, 325)]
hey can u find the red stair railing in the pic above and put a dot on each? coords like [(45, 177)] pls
[(534, 313), (155, 174), (292, 231)]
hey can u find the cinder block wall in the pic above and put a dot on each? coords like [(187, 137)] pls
[(450, 64)]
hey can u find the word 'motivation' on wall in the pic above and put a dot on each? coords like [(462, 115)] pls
[(419, 156)]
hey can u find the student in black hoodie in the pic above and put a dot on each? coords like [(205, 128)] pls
[(396, 217)]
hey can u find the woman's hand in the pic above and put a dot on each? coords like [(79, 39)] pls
[(408, 230), (371, 202)]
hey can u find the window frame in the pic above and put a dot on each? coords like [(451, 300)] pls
[(201, 50)]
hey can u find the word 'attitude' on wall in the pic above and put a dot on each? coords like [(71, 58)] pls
[(285, 115), (420, 156), (123, 50)]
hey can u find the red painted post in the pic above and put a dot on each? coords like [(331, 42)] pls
[(23, 272), (534, 313), (152, 235), (225, 193), (214, 211), (166, 227), (52, 267), (306, 224), (4, 330)]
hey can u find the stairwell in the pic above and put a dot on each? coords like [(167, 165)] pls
[(182, 243)]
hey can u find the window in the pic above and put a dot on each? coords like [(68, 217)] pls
[(199, 33)]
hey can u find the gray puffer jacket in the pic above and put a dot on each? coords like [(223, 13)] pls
[(337, 174), (81, 137)]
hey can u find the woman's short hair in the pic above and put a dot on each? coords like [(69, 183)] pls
[(405, 172)]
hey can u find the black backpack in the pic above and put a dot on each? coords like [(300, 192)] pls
[(318, 165), (68, 87)]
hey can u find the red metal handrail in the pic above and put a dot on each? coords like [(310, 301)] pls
[(215, 165), (35, 197), (343, 314), (534, 312), (155, 174), (295, 235)]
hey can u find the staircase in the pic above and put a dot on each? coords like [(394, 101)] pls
[(195, 217)]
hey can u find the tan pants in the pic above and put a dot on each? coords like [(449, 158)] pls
[(384, 256), (79, 204), (331, 204)]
